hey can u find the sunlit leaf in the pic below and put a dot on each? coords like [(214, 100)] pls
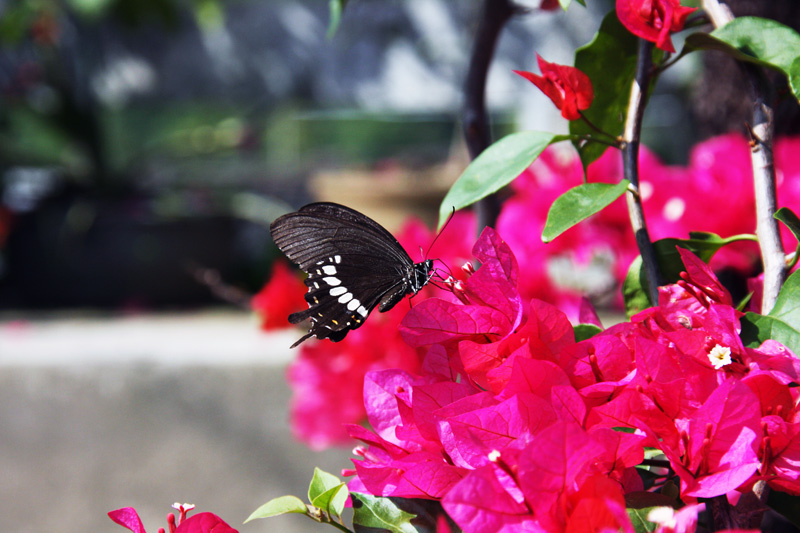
[(585, 331), (279, 506), (755, 40), (579, 203), (790, 220), (495, 168), (333, 500), (634, 289), (781, 324), (321, 482), (380, 513), (639, 520)]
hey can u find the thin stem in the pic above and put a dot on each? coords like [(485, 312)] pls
[(668, 62), (597, 129), (589, 138), (630, 160), (761, 155), (339, 526), (494, 15), (743, 237)]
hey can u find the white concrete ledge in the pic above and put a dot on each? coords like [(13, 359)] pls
[(205, 338)]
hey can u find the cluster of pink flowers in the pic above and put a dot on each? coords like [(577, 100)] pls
[(513, 425), (206, 522), (327, 373), (589, 259), (599, 251)]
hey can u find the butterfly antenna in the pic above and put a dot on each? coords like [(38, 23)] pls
[(447, 267), (453, 212)]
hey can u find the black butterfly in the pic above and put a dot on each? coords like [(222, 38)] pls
[(353, 264)]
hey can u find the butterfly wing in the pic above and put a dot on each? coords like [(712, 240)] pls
[(353, 264)]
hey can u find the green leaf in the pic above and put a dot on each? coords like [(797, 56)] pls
[(703, 245), (755, 40), (335, 9), (210, 15), (585, 331), (332, 501), (794, 77), (610, 62), (380, 513), (579, 203), (321, 482), (743, 304), (278, 506), (90, 8), (495, 168), (758, 328), (565, 3), (639, 520), (781, 324), (790, 220), (634, 289), (787, 307)]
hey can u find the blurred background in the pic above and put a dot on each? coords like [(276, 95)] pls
[(145, 145)]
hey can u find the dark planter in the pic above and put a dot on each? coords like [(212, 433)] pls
[(84, 251)]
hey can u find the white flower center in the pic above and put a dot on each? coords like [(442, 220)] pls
[(720, 356)]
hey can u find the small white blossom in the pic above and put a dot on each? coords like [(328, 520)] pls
[(720, 356), (183, 506), (663, 516)]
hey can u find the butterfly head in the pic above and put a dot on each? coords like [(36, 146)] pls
[(423, 272)]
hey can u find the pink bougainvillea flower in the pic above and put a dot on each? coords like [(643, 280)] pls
[(484, 502), (200, 523), (494, 309), (518, 430), (780, 452), (127, 517), (327, 379), (569, 88), (204, 523), (281, 296), (653, 20)]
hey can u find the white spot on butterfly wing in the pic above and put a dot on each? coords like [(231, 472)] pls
[(353, 304), (362, 311), (336, 291), (332, 281), (343, 299), (329, 270), (337, 258)]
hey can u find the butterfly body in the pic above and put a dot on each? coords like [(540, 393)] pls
[(353, 265)]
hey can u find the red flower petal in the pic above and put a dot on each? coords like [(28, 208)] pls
[(653, 20), (569, 88)]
